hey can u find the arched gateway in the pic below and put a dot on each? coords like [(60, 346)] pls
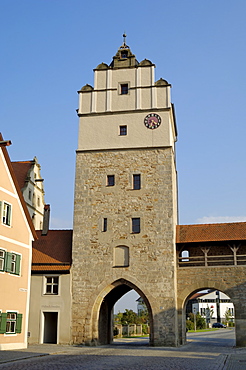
[(125, 233)]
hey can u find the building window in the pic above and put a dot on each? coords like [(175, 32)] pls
[(38, 202), (105, 225), (12, 264), (185, 256), (2, 258), (110, 180), (10, 323), (135, 225), (123, 130), (51, 286), (203, 311), (136, 182), (6, 215), (124, 89)]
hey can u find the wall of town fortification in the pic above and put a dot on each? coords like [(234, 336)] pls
[(152, 255)]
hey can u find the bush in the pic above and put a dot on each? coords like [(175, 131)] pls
[(189, 325), (145, 329)]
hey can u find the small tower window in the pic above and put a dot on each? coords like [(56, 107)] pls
[(136, 225), (123, 130), (136, 182), (105, 225), (110, 180), (124, 89), (124, 54)]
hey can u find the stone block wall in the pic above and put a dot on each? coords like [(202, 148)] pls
[(152, 252)]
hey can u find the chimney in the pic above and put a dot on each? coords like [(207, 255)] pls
[(46, 219)]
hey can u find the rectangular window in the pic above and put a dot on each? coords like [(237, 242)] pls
[(2, 259), (105, 225), (110, 180), (12, 263), (123, 89), (123, 130), (11, 323), (6, 216), (135, 225), (51, 286), (203, 311), (136, 182)]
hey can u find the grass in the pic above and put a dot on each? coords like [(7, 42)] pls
[(210, 329)]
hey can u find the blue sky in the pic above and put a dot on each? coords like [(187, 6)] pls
[(49, 49)]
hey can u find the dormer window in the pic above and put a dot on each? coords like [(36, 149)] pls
[(124, 54)]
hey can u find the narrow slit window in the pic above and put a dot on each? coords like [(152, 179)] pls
[(136, 225), (136, 182), (105, 225), (6, 219)]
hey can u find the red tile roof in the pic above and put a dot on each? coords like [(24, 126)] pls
[(211, 232), (52, 251), (21, 170)]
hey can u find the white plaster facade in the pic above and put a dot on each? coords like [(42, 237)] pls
[(217, 302)]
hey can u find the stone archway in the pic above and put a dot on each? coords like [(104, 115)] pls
[(231, 281), (102, 315)]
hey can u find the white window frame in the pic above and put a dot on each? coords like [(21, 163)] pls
[(52, 284), (7, 222), (10, 332), (2, 259)]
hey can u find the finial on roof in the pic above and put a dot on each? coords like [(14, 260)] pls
[(124, 38), (124, 46)]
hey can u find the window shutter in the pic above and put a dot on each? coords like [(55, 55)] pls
[(8, 261), (3, 318), (18, 323), (17, 264)]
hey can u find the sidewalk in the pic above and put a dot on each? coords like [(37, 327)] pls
[(34, 351)]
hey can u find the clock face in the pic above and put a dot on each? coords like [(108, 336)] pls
[(152, 121)]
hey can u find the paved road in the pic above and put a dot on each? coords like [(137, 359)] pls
[(213, 351)]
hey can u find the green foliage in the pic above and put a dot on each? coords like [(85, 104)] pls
[(145, 329), (189, 325), (200, 321), (130, 317)]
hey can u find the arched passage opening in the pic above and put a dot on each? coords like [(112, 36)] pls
[(208, 308), (107, 300)]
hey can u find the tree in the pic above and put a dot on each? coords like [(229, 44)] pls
[(200, 321)]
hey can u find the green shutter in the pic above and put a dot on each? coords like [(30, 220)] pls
[(3, 318), (18, 323), (17, 264), (8, 262)]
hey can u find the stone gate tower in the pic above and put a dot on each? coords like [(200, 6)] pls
[(125, 212)]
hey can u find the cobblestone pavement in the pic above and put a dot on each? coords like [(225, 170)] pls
[(197, 355)]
